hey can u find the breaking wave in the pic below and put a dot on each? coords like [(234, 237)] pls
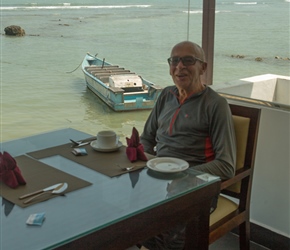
[(244, 3), (200, 11), (34, 6)]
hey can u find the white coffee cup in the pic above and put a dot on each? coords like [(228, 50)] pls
[(107, 139)]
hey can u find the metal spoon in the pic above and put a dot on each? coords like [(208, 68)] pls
[(125, 169)]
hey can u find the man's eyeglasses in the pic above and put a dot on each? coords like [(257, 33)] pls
[(186, 61)]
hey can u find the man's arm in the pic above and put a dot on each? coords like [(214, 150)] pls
[(223, 139), (149, 133)]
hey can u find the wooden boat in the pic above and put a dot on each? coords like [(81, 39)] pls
[(119, 88)]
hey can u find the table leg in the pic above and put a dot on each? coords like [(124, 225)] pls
[(197, 230)]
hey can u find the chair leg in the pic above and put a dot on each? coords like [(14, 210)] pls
[(244, 233)]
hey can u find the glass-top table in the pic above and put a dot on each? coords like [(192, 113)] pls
[(112, 213)]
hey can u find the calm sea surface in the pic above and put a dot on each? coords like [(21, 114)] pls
[(39, 95)]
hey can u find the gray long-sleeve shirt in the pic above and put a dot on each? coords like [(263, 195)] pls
[(199, 131)]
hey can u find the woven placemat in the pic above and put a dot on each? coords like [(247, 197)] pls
[(102, 162), (38, 176)]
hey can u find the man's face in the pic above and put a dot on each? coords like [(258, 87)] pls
[(183, 74)]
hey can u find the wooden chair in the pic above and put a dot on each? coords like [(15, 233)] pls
[(229, 214)]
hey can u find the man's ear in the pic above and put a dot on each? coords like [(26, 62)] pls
[(203, 68)]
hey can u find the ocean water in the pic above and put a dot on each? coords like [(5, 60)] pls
[(43, 89)]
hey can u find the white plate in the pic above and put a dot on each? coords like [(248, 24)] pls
[(95, 146), (167, 164)]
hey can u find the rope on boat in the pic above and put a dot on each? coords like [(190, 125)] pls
[(75, 68), (95, 56)]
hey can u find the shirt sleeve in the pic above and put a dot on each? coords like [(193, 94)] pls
[(148, 137), (223, 140)]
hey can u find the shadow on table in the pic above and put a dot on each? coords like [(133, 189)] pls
[(8, 206)]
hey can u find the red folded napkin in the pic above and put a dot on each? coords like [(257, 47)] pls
[(10, 173), (135, 150)]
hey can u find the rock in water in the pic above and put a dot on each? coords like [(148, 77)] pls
[(14, 30)]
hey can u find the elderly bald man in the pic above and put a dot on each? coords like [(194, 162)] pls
[(192, 122)]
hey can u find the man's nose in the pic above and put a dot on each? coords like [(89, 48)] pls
[(180, 64)]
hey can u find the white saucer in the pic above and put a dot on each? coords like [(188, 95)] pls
[(95, 146), (167, 164)]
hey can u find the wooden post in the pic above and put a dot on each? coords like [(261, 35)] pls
[(208, 28)]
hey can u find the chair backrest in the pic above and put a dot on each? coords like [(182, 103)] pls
[(246, 124), (228, 214), (241, 125)]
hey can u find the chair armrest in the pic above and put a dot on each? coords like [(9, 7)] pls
[(240, 174)]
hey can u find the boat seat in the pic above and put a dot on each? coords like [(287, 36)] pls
[(106, 69), (90, 70), (110, 72), (109, 66), (99, 66), (99, 75)]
